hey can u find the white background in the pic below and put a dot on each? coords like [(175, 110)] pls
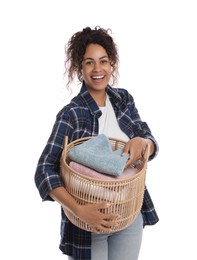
[(158, 65)]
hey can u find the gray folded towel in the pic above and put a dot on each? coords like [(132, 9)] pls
[(96, 153)]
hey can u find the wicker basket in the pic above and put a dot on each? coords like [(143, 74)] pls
[(124, 195)]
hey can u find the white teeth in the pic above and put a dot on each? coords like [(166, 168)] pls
[(98, 77)]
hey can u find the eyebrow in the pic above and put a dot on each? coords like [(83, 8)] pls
[(99, 58)]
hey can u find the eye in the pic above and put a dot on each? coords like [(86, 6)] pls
[(88, 62), (104, 61)]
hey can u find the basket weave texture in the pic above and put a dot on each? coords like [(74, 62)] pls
[(125, 195)]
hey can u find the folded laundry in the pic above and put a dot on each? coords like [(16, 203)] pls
[(96, 153), (128, 172), (106, 193)]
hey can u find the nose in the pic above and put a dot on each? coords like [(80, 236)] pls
[(97, 67)]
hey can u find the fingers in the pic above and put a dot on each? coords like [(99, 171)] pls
[(99, 216), (106, 221), (106, 216), (126, 149), (102, 205), (106, 226), (136, 148)]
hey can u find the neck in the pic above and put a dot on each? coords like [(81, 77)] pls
[(101, 101), (100, 98)]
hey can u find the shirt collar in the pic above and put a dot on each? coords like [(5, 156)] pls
[(90, 102), (114, 95)]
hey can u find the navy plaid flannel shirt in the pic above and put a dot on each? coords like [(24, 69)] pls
[(76, 120)]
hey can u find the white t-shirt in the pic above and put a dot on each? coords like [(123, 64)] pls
[(108, 123)]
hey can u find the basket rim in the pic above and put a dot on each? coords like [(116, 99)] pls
[(88, 178)]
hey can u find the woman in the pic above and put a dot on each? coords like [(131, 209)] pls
[(98, 109)]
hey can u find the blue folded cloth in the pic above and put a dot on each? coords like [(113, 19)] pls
[(96, 153)]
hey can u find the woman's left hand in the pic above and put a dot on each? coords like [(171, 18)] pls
[(136, 148)]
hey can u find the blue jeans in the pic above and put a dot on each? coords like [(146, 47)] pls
[(121, 245)]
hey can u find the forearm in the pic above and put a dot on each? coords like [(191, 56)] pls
[(64, 199)]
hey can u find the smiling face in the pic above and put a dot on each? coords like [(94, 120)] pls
[(96, 69)]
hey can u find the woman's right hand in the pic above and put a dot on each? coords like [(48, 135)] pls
[(92, 215), (89, 213)]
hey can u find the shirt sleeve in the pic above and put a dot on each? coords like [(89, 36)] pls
[(47, 175), (141, 128)]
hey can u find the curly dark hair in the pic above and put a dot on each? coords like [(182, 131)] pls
[(76, 48)]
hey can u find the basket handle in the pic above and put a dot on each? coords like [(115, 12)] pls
[(63, 155), (146, 153), (65, 140), (141, 163)]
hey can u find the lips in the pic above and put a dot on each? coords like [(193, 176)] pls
[(97, 77)]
